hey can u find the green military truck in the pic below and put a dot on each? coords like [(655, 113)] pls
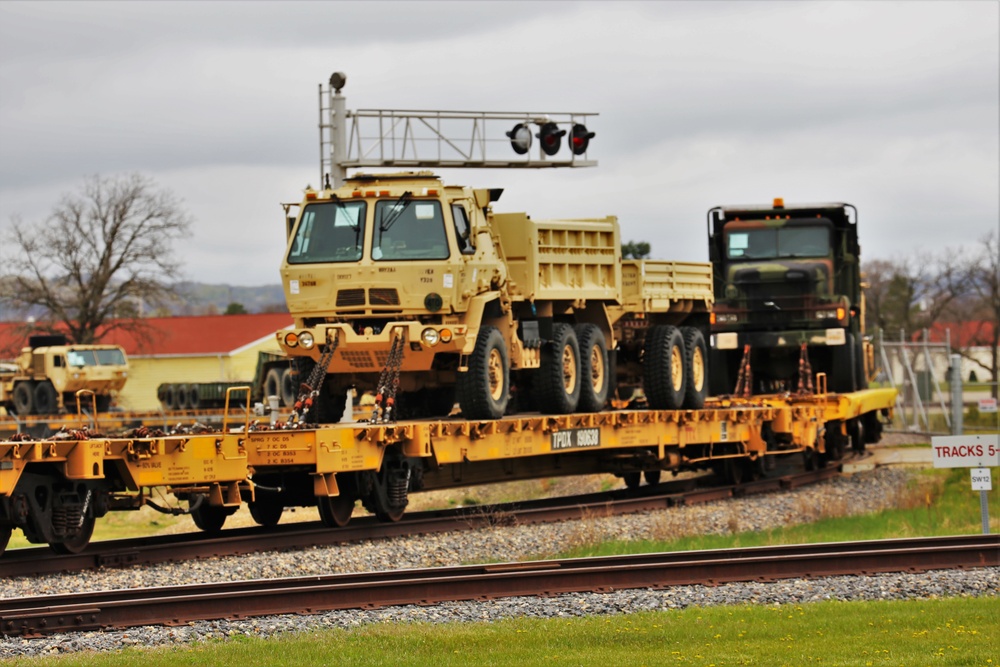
[(785, 276)]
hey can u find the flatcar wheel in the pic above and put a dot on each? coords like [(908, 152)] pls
[(5, 532), (335, 511), (78, 542), (731, 470), (632, 479), (210, 519), (856, 427), (810, 459), (390, 514), (266, 512), (652, 477)]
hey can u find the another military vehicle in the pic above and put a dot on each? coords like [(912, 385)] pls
[(399, 281), (49, 372), (787, 283)]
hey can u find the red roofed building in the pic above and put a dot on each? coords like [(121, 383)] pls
[(209, 348)]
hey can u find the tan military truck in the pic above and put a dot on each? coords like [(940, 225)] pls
[(48, 373), (399, 281)]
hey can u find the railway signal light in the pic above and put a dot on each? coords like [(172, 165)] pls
[(580, 138), (520, 138), (551, 138)]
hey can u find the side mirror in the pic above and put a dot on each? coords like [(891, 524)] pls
[(289, 224)]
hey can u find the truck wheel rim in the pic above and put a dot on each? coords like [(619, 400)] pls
[(596, 368), (495, 373), (676, 368), (698, 369), (569, 369)]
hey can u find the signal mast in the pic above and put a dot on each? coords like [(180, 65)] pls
[(420, 139)]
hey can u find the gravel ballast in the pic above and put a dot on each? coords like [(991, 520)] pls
[(860, 493)]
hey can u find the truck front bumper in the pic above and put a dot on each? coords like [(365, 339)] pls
[(734, 340), (368, 351)]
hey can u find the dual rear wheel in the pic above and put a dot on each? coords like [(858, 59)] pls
[(675, 368)]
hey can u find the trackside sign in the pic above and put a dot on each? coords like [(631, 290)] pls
[(966, 451)]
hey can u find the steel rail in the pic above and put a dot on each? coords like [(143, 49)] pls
[(36, 616), (188, 546)]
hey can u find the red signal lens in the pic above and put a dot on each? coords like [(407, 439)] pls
[(580, 138), (551, 138)]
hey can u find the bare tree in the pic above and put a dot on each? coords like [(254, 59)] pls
[(915, 292), (984, 281), (103, 254)]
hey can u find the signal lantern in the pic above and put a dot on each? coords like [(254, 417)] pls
[(580, 138), (551, 138), (520, 138)]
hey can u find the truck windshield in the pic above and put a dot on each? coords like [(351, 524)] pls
[(329, 232), (409, 229), (778, 242), (111, 357)]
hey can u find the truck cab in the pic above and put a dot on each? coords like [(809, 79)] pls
[(384, 256), (785, 276)]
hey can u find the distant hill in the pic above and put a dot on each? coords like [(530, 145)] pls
[(196, 299), (205, 299)]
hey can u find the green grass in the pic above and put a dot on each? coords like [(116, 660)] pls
[(937, 502), (955, 631), (119, 525)]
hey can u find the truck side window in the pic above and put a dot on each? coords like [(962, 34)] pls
[(463, 232)]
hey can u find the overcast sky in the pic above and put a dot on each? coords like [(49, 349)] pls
[(891, 106)]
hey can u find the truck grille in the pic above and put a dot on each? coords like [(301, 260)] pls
[(351, 297), (383, 297), (377, 296)]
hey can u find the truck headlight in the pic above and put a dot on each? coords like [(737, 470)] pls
[(727, 318), (826, 314), (306, 340), (430, 336)]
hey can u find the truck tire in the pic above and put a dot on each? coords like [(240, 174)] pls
[(695, 368), (595, 372), (169, 399), (46, 398), (24, 398), (103, 403), (272, 383), (558, 377), (194, 397), (485, 388), (663, 368), (289, 389), (181, 395)]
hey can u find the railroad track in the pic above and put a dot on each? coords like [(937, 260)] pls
[(188, 546), (42, 615)]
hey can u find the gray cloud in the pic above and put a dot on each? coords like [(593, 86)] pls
[(892, 106)]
